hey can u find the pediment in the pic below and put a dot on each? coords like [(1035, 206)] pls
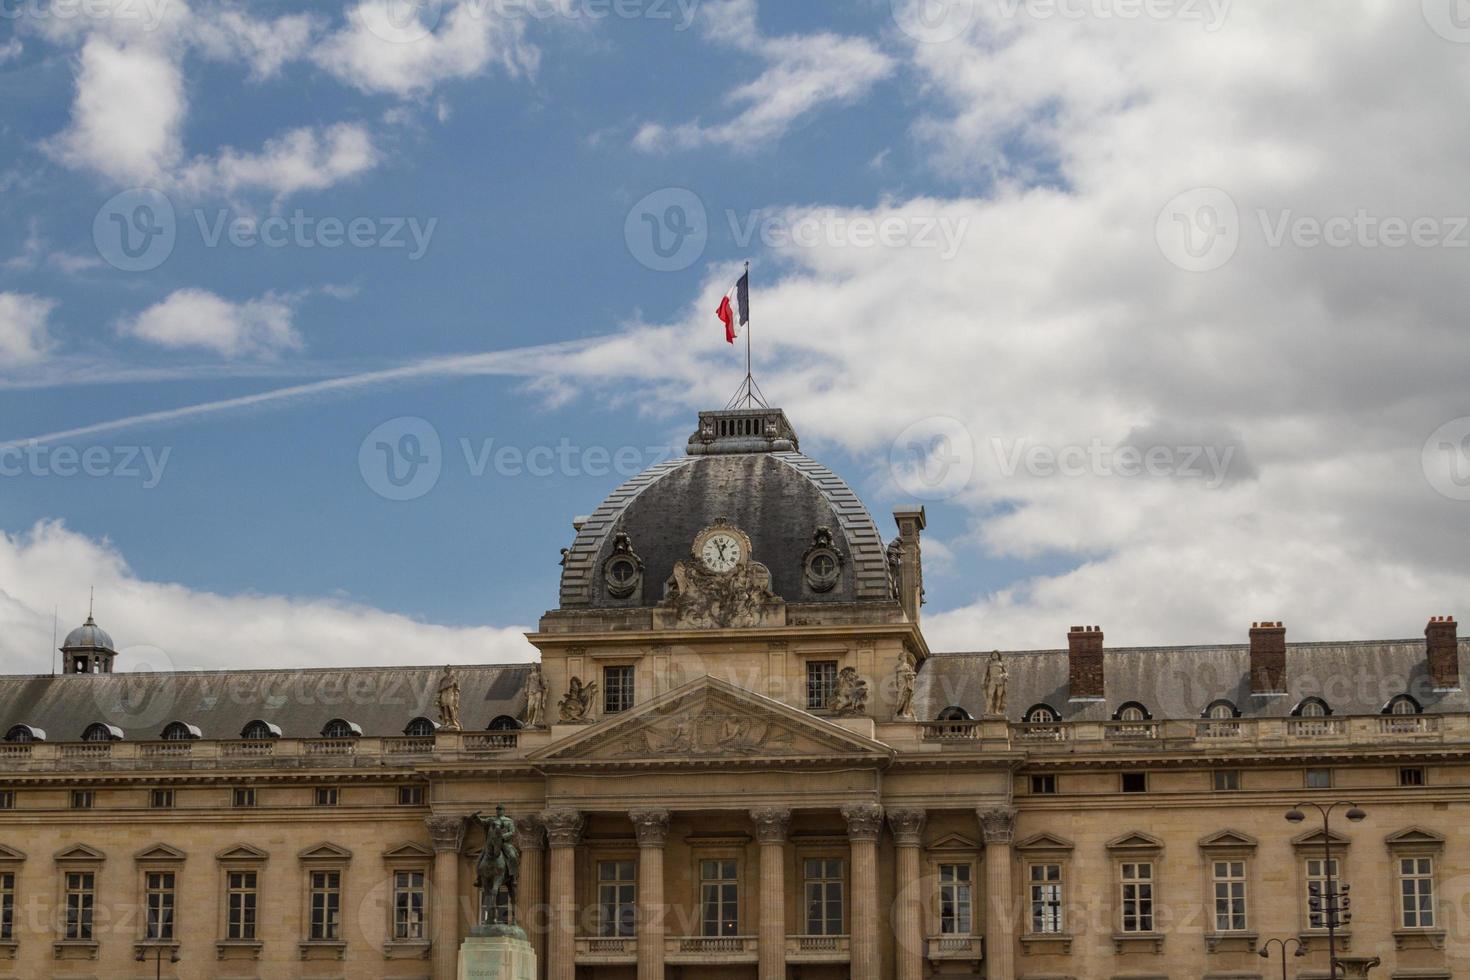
[(1415, 837), (241, 852), (325, 851), (1135, 841), (80, 852), (711, 719), (1228, 839), (407, 850), (1045, 842), (1313, 838), (954, 842), (160, 852), (9, 854)]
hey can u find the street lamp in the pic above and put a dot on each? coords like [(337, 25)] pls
[(1265, 951), (1328, 902), (142, 957)]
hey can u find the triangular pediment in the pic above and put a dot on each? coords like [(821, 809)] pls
[(241, 852), (954, 842), (1228, 838), (407, 850), (711, 719), (1313, 838), (1135, 841), (326, 851), (80, 852), (1045, 842), (160, 852), (8, 854), (1415, 836)]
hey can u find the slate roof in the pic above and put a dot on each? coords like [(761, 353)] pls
[(382, 700), (1354, 678)]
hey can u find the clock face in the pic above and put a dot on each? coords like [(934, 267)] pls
[(721, 552)]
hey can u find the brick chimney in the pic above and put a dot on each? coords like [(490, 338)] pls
[(1085, 664), (1268, 658), (1442, 639), (911, 523)]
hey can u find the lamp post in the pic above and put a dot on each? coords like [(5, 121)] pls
[(142, 957), (1265, 951), (1329, 903)]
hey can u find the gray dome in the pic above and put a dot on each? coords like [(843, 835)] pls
[(88, 636), (779, 498)]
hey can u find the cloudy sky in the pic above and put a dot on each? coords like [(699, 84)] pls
[(319, 323)]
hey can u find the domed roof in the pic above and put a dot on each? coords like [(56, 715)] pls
[(744, 466), (88, 636)]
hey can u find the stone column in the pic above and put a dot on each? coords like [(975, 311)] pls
[(563, 831), (771, 826), (908, 833), (998, 826), (531, 889), (446, 833), (652, 827), (864, 824)]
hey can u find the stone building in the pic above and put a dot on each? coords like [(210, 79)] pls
[(739, 758)]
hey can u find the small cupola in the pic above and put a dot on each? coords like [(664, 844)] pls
[(88, 649)]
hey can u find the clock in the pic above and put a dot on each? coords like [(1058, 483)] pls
[(721, 551)]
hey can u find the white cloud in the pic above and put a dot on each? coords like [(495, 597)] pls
[(803, 73), (265, 45), (11, 49), (164, 623), (302, 159), (24, 337), (196, 318)]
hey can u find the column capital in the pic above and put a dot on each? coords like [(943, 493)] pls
[(997, 824), (907, 825), (651, 826), (529, 833), (864, 821), (771, 824), (446, 833), (563, 827)]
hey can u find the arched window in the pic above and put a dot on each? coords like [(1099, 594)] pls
[(1312, 708), (178, 731), (1403, 704), (955, 713), (1132, 711), (420, 728), (24, 733), (504, 723), (98, 732), (259, 730), (1222, 710), (1041, 714), (340, 728)]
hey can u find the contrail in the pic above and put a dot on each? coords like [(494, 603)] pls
[(523, 360)]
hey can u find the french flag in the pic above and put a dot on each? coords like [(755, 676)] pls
[(737, 297)]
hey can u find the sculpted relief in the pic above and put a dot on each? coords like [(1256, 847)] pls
[(719, 587), (709, 729)]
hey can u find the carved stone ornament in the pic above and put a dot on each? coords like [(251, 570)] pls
[(448, 701), (530, 835), (563, 827), (850, 695), (893, 554), (577, 707), (904, 677), (822, 563), (622, 573), (864, 821), (771, 824), (535, 714), (907, 826), (705, 596), (995, 686), (446, 833), (709, 730), (651, 826), (998, 826)]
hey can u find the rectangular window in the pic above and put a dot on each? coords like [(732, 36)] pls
[(410, 796), (719, 886), (243, 796), (1229, 896), (1135, 782), (7, 906), (408, 905), (7, 799), (1411, 776), (240, 904), (1137, 881), (81, 799), (617, 689), (326, 796), (1043, 785), (824, 897), (159, 896), (821, 681), (161, 799), (326, 905), (1319, 779), (956, 900), (1416, 888), (81, 897), (617, 899), (1318, 897), (1046, 898), (1227, 780)]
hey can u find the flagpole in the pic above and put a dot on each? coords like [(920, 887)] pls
[(748, 376)]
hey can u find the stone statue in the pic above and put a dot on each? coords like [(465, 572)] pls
[(500, 862), (535, 714), (850, 696), (904, 676), (448, 702), (995, 686), (576, 707), (893, 554)]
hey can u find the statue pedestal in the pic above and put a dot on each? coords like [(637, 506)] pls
[(496, 958)]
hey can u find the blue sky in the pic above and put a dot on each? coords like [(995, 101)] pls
[(523, 149)]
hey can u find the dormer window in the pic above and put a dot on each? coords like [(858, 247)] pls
[(259, 730), (1312, 708), (420, 728), (98, 732), (25, 733), (955, 713), (1222, 710), (178, 731), (1403, 704), (504, 723), (1134, 712), (341, 728), (1042, 714)]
